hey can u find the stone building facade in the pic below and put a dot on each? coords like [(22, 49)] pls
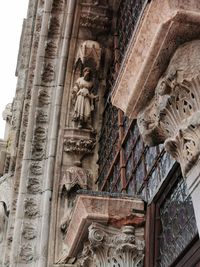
[(100, 162)]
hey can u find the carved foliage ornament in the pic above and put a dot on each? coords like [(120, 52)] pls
[(108, 246), (95, 16), (173, 116), (79, 145)]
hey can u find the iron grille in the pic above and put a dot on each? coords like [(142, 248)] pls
[(128, 16), (178, 225)]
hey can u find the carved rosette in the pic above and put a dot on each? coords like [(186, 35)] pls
[(173, 117), (109, 247)]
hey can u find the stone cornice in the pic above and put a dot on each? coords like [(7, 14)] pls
[(164, 26), (106, 210)]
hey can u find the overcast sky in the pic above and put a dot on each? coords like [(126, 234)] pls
[(11, 19)]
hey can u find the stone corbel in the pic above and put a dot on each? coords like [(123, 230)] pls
[(105, 230), (78, 143)]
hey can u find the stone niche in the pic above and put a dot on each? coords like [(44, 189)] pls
[(105, 230)]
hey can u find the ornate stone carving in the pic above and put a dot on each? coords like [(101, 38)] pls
[(7, 113), (31, 208), (95, 16), (75, 176), (105, 241), (173, 116), (84, 100), (5, 190), (109, 247), (51, 49), (73, 179), (48, 73), (43, 97), (58, 5), (38, 151), (29, 231), (89, 50), (36, 168), (26, 253), (42, 116), (33, 185), (78, 143), (54, 27), (40, 134)]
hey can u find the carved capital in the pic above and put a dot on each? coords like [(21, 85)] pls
[(173, 117), (109, 246)]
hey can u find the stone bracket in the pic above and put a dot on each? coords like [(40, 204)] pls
[(104, 210)]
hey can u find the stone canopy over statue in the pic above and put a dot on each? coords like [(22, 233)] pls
[(84, 100)]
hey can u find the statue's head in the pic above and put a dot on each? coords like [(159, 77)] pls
[(87, 73)]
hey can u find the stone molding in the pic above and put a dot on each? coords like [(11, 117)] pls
[(164, 26), (107, 210)]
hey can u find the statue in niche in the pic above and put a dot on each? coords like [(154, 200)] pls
[(84, 100)]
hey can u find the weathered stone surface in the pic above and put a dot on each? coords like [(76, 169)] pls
[(165, 25), (173, 116), (90, 209)]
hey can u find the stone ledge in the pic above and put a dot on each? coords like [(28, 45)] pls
[(106, 210), (165, 25)]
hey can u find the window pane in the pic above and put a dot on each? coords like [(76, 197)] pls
[(177, 223)]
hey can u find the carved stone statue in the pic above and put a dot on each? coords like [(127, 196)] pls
[(84, 100)]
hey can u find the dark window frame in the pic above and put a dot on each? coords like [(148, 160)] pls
[(190, 256)]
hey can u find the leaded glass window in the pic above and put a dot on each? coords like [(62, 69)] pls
[(177, 222), (127, 18)]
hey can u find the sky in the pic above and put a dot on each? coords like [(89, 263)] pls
[(11, 19)]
